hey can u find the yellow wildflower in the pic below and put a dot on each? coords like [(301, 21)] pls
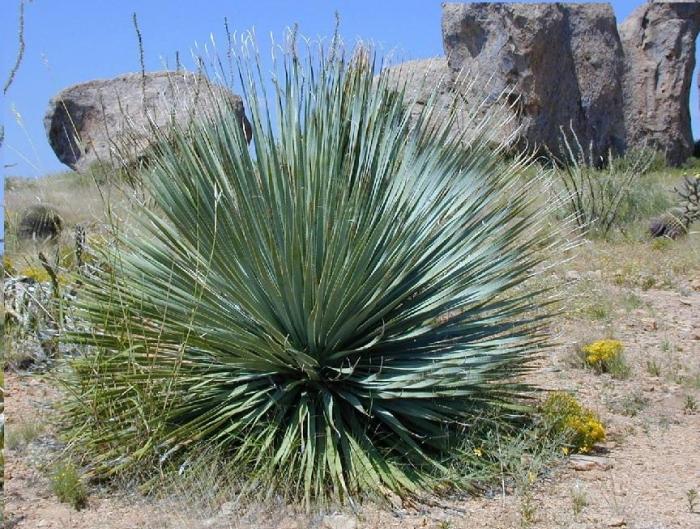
[(8, 266), (40, 275), (37, 273), (568, 417), (601, 353)]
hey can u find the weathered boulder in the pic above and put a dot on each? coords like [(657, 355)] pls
[(558, 65), (421, 78), (111, 120), (658, 40)]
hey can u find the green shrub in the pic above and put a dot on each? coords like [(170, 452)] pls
[(67, 485), (604, 195), (20, 434), (331, 308), (630, 404)]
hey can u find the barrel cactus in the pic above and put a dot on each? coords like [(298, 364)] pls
[(332, 308), (677, 221), (40, 222)]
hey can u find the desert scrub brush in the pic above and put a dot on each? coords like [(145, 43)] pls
[(284, 303)]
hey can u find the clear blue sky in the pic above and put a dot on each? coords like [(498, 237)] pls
[(70, 41)]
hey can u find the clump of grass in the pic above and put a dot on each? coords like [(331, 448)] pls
[(567, 416), (692, 498), (690, 405), (528, 509), (647, 281), (511, 460), (512, 455), (631, 301), (653, 368), (21, 434), (690, 381), (606, 356), (630, 404), (599, 309), (579, 499), (661, 243), (607, 195), (589, 301), (67, 485)]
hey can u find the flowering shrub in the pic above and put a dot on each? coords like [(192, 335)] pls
[(579, 425), (37, 273), (602, 355), (8, 265)]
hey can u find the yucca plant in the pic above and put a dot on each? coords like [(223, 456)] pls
[(333, 308)]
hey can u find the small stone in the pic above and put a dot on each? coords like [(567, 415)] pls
[(289, 523), (595, 275), (617, 522), (649, 324), (394, 500), (572, 275), (339, 521), (584, 463)]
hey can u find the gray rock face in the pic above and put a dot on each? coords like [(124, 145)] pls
[(110, 120), (558, 65), (422, 79), (659, 45)]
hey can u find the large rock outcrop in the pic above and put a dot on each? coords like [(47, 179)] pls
[(422, 80), (558, 65), (110, 121), (659, 45)]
